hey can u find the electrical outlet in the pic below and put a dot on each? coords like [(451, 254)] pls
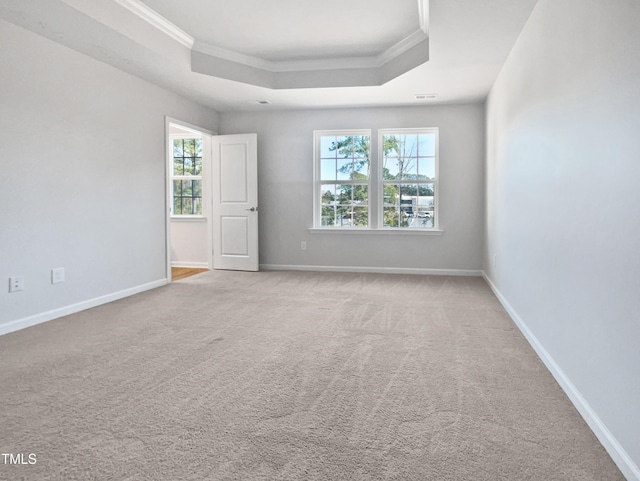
[(303, 245), (57, 275), (16, 283)]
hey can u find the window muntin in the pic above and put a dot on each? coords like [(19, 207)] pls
[(187, 176), (408, 177), (343, 163)]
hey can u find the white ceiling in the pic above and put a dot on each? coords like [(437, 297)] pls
[(294, 29), (469, 40)]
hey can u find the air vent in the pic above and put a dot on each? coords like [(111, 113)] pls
[(426, 96)]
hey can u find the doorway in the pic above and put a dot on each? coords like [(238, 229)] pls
[(189, 242)]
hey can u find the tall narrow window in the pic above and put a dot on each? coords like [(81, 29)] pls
[(187, 176), (408, 174), (342, 174)]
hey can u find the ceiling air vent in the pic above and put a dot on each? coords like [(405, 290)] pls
[(426, 96)]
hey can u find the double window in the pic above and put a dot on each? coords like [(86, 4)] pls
[(388, 184), (187, 176)]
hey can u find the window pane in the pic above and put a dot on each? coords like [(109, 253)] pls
[(328, 195), (426, 200), (187, 205), (177, 148), (327, 169), (408, 193), (426, 145), (345, 146), (197, 205), (188, 166), (178, 168), (177, 206), (343, 216), (407, 167), (186, 188), (196, 187), (198, 150), (361, 194), (345, 169), (343, 194), (361, 169), (189, 148), (177, 188), (390, 168), (360, 216), (408, 145), (391, 194), (390, 145), (426, 168), (361, 147), (327, 147), (390, 217), (328, 216), (197, 166)]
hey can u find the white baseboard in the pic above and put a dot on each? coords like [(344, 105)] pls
[(190, 265), (73, 308), (374, 270), (619, 455)]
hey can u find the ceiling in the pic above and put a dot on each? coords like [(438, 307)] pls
[(294, 29), (159, 41)]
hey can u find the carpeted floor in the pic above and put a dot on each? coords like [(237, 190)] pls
[(290, 376)]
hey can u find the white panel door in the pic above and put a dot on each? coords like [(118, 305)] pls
[(235, 202)]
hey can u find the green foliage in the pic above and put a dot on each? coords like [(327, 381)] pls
[(355, 148)]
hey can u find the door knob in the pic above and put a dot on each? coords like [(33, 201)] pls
[(253, 209)]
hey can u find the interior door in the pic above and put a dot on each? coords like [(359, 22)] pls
[(235, 202)]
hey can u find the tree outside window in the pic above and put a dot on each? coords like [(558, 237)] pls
[(187, 176)]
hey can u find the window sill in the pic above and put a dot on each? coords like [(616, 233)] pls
[(362, 231), (188, 218)]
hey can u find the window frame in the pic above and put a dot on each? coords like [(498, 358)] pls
[(375, 184), (318, 182), (434, 181), (173, 176)]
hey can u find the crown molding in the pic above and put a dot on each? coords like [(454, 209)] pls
[(374, 61), (401, 47), (370, 67), (158, 21), (423, 14)]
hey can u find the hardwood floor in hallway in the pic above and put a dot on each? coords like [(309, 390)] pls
[(178, 273)]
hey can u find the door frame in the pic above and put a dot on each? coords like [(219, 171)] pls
[(206, 184)]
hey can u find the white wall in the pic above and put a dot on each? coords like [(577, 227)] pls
[(82, 182), (285, 171), (563, 203), (190, 242)]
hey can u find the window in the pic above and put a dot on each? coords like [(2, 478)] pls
[(408, 178), (343, 186), (187, 176), (390, 186)]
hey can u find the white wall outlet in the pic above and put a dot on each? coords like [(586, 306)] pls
[(16, 283), (57, 275), (303, 245)]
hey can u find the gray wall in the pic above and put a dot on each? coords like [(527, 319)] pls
[(563, 203), (285, 170), (82, 182)]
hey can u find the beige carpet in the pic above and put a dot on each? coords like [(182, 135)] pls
[(290, 376)]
